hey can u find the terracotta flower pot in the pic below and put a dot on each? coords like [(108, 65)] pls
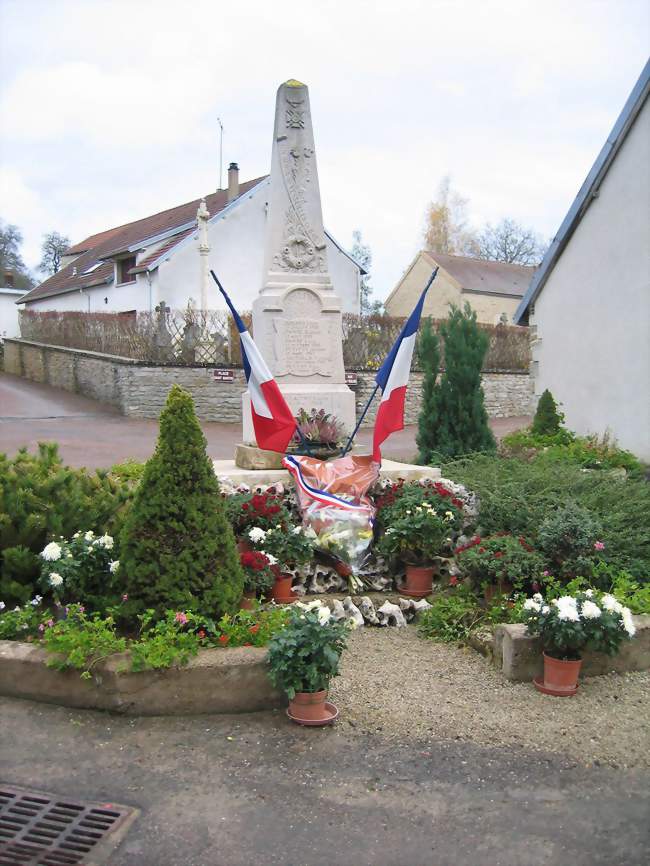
[(419, 581), (312, 708), (247, 601), (560, 677), (281, 589)]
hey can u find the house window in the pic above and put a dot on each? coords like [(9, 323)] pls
[(123, 268)]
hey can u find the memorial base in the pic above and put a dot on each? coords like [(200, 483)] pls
[(252, 477)]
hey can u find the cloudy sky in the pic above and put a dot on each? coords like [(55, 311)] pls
[(108, 108)]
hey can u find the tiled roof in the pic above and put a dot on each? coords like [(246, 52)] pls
[(491, 278), (94, 248)]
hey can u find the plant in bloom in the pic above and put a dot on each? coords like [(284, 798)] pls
[(181, 618), (498, 560), (288, 549), (263, 511), (599, 545), (51, 552), (572, 623), (256, 565), (85, 568)]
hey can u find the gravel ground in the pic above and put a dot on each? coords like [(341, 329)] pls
[(401, 685)]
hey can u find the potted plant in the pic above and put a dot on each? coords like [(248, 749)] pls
[(567, 626), (288, 549), (322, 431), (499, 564), (258, 576), (416, 537), (250, 511), (303, 658)]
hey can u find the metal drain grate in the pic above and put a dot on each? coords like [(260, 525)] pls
[(38, 829)]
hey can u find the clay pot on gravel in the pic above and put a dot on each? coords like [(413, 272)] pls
[(419, 581), (560, 677), (312, 708), (281, 591)]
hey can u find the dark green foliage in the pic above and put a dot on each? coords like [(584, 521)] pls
[(429, 354), (457, 422), (547, 420), (40, 498), (567, 538), (517, 496), (177, 548)]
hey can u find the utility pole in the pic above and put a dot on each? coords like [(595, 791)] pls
[(220, 152)]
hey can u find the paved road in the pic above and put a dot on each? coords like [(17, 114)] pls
[(94, 435), (254, 789)]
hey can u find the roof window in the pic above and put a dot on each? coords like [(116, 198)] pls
[(123, 268)]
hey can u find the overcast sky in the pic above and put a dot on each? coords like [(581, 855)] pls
[(108, 110)]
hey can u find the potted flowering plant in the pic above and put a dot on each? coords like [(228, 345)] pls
[(287, 549), (258, 576), (568, 625), (248, 510), (303, 658), (416, 537), (322, 431), (83, 566), (499, 564)]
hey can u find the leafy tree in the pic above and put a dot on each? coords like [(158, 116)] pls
[(362, 254), (53, 248), (458, 423), (11, 260), (446, 230), (177, 547), (510, 242), (547, 420)]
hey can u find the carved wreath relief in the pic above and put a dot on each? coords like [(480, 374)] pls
[(304, 246)]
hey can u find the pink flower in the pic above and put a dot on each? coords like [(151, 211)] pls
[(181, 617), (125, 597), (41, 628), (599, 545), (546, 573), (49, 623)]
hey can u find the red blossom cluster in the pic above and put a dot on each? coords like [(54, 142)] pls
[(262, 505), (254, 559), (395, 491), (476, 540), (471, 543)]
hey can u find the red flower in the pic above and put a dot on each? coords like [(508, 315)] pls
[(254, 628), (481, 550), (453, 580), (223, 639), (498, 554)]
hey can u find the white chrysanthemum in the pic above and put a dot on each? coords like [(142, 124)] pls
[(2, 605), (611, 604), (256, 534), (51, 552), (55, 579), (324, 615), (89, 535), (113, 565), (273, 560), (106, 541), (590, 610), (539, 598), (628, 625), (36, 601), (297, 530), (589, 593), (567, 609), (76, 535), (531, 604), (545, 609)]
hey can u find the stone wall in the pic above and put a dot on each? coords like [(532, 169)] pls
[(140, 389)]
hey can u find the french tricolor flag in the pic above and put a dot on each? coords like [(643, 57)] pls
[(273, 421), (392, 377)]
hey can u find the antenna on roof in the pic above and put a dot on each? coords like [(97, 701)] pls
[(220, 152)]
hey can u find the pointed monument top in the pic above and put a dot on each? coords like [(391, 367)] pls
[(292, 82)]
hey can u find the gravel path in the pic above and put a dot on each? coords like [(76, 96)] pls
[(399, 684)]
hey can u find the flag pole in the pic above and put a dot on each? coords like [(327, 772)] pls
[(372, 396)]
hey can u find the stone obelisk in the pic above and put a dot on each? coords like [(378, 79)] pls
[(297, 315)]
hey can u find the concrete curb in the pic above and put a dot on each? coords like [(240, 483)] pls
[(215, 681), (519, 656)]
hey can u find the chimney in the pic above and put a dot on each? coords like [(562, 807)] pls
[(233, 181)]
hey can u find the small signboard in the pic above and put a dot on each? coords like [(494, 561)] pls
[(351, 379), (224, 375)]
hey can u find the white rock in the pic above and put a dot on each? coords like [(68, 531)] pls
[(338, 611), (390, 614), (368, 611), (352, 611)]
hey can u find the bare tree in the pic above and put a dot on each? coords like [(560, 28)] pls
[(446, 228), (52, 249), (509, 241), (362, 254), (11, 261)]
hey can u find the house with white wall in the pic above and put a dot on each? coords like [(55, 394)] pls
[(589, 303), (162, 258)]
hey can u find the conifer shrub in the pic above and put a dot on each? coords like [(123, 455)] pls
[(453, 420), (429, 355), (177, 548), (547, 421)]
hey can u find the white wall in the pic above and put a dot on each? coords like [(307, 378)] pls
[(593, 314), (9, 312), (130, 296)]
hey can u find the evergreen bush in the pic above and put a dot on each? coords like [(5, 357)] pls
[(547, 421), (453, 420), (177, 548), (429, 355)]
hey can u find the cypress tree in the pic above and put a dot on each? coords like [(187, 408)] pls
[(547, 420), (429, 355), (177, 547), (459, 423)]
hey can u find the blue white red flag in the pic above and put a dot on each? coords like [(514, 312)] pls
[(392, 377), (273, 421)]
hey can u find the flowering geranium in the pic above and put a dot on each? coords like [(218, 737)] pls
[(262, 511), (572, 623), (257, 570), (499, 559)]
